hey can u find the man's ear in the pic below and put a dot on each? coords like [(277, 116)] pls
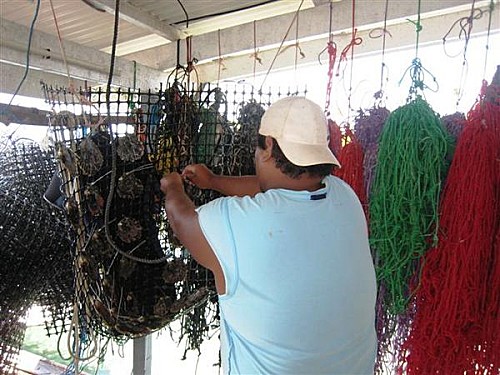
[(267, 152)]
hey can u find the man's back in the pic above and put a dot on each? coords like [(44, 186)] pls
[(300, 284)]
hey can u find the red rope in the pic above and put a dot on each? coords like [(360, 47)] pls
[(491, 327), (331, 47), (351, 159), (332, 56), (355, 41), (335, 142), (456, 327)]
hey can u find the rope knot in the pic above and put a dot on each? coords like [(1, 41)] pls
[(418, 25), (355, 41)]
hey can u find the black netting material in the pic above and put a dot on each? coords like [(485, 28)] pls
[(34, 246)]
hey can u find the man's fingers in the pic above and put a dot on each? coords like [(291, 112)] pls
[(187, 175)]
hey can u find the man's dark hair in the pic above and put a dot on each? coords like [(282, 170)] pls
[(290, 169)]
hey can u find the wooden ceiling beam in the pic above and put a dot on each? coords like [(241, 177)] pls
[(140, 18)]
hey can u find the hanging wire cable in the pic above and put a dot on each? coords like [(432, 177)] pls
[(379, 94), (331, 47), (28, 49), (297, 44), (343, 55), (465, 28), (113, 54), (418, 27), (191, 61), (417, 74), (185, 13), (61, 45), (71, 87), (416, 70), (255, 50), (490, 15), (281, 44), (353, 43), (27, 66), (466, 24), (109, 199), (220, 57)]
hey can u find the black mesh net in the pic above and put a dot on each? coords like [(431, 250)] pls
[(132, 275), (35, 247)]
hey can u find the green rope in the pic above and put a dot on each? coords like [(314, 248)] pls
[(416, 70), (410, 170), (418, 27)]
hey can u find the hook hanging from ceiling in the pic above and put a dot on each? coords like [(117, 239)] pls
[(185, 12)]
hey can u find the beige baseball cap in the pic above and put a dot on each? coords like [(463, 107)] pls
[(301, 130)]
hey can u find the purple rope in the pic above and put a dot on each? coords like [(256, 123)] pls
[(367, 127), (454, 124)]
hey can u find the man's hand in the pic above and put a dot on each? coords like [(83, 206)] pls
[(183, 219), (204, 178), (200, 175), (171, 181)]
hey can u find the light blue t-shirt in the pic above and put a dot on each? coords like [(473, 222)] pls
[(300, 282)]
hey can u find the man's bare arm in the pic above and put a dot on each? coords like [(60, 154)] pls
[(204, 178), (183, 219)]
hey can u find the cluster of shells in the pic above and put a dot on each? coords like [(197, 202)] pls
[(127, 292)]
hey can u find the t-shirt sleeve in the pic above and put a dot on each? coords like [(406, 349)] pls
[(216, 226)]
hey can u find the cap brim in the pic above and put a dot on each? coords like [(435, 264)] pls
[(305, 155)]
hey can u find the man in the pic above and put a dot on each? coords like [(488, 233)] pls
[(289, 252)]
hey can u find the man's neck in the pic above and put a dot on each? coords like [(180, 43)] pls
[(304, 182)]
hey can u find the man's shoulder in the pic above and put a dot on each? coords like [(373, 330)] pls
[(225, 203), (336, 183)]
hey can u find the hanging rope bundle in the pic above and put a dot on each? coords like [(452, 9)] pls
[(454, 124), (335, 140), (351, 159), (367, 127), (368, 124), (403, 216), (403, 206), (491, 328), (456, 326)]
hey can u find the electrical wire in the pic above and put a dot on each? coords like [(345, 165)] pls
[(30, 37), (27, 66), (185, 13), (378, 95), (109, 199), (281, 45), (255, 54), (220, 63), (466, 24), (490, 10), (61, 45)]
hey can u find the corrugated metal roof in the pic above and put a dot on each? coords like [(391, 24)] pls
[(78, 22), (172, 12), (147, 27), (82, 22)]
